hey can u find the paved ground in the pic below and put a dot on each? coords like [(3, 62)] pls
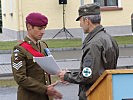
[(8, 93), (69, 92), (68, 59), (71, 64)]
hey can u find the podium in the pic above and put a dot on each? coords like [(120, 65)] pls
[(112, 85)]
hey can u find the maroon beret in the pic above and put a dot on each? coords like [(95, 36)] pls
[(36, 19)]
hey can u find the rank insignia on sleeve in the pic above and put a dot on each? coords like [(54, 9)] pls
[(17, 65), (16, 50), (87, 72)]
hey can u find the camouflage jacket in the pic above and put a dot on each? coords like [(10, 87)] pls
[(100, 52)]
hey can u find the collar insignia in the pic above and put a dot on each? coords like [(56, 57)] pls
[(29, 42)]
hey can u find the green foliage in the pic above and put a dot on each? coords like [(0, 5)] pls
[(8, 45), (7, 83), (124, 40), (64, 43)]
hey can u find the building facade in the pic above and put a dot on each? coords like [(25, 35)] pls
[(116, 15)]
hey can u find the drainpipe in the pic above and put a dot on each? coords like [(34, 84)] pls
[(83, 36), (81, 2), (20, 20), (132, 22), (18, 6)]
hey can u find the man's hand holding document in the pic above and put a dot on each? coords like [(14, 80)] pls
[(48, 63)]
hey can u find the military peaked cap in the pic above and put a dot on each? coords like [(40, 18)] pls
[(88, 9)]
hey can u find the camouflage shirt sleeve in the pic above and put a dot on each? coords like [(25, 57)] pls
[(18, 62), (89, 64)]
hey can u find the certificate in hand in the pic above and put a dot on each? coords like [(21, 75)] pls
[(48, 63)]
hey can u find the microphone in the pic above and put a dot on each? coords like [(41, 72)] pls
[(47, 52)]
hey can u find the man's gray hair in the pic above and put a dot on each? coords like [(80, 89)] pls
[(94, 18)]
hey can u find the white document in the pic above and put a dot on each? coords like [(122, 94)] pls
[(48, 63)]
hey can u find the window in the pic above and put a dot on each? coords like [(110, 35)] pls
[(107, 2), (109, 5)]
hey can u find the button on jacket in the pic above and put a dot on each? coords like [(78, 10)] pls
[(30, 77), (100, 52)]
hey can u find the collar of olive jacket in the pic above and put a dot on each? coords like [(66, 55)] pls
[(92, 34), (29, 41)]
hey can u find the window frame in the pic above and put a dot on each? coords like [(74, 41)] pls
[(111, 8)]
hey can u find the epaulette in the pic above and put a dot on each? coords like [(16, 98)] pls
[(19, 42)]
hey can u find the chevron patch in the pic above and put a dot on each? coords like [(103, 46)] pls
[(17, 65)]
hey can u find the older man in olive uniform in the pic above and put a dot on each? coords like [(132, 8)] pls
[(100, 51), (34, 82)]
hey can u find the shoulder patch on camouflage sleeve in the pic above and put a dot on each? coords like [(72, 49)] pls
[(87, 72)]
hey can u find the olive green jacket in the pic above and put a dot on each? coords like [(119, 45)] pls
[(30, 77), (100, 52)]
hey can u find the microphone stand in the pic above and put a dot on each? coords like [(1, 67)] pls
[(64, 28)]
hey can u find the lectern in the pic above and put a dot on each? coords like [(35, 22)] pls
[(112, 85)]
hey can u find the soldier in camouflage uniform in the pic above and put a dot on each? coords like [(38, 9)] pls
[(100, 51), (33, 82)]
